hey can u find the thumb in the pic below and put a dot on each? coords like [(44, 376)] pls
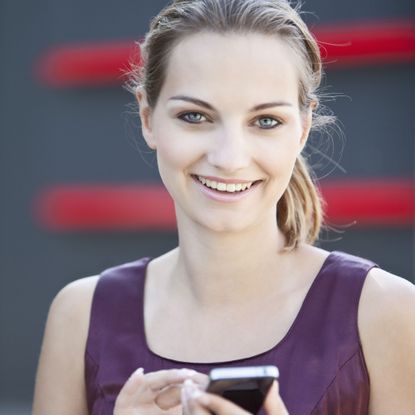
[(273, 403)]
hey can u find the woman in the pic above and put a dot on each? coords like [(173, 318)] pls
[(228, 93)]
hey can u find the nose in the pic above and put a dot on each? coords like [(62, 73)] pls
[(230, 151)]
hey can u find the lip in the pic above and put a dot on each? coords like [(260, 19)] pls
[(227, 181), (225, 196)]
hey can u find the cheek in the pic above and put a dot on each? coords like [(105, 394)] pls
[(279, 157), (175, 152)]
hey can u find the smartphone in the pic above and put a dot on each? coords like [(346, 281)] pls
[(245, 386)]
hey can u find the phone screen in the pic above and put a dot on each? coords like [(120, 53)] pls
[(245, 386)]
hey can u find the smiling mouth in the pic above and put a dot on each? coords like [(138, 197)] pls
[(226, 187)]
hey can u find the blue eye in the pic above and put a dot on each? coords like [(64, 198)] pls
[(269, 124), (192, 117)]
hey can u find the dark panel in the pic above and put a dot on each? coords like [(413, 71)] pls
[(392, 249)]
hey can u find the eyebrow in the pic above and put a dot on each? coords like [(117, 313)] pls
[(210, 107)]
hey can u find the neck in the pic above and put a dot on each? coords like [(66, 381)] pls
[(218, 269)]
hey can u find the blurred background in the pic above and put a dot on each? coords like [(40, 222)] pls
[(80, 192)]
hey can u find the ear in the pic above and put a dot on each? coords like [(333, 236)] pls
[(307, 124), (145, 117)]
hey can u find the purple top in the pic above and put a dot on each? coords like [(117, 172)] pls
[(320, 359)]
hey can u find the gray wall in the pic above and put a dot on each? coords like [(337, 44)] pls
[(53, 136)]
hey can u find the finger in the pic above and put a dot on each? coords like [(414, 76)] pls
[(169, 397), (189, 404), (132, 386), (189, 391), (184, 397), (273, 403), (134, 381), (194, 408), (218, 405), (163, 378), (201, 379)]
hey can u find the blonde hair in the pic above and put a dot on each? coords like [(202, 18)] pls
[(300, 209)]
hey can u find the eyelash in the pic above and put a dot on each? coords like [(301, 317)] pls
[(183, 115)]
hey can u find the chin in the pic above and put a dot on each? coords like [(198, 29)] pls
[(224, 226)]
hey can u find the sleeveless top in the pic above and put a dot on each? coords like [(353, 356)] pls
[(320, 359)]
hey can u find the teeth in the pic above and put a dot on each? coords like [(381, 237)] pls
[(221, 187), (230, 187), (211, 183), (224, 187)]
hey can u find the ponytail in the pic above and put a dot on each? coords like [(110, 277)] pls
[(300, 209)]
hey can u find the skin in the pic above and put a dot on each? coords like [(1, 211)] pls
[(200, 275)]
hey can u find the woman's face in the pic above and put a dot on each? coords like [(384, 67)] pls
[(227, 113)]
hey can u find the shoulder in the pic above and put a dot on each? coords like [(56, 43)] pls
[(63, 349), (73, 302), (387, 299), (69, 313), (71, 308), (387, 332)]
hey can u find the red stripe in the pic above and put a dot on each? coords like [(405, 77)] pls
[(136, 207), (80, 207), (371, 202), (88, 64), (367, 43), (342, 45)]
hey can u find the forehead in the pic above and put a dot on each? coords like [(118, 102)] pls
[(232, 67)]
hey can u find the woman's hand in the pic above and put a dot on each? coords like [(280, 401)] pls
[(154, 393), (197, 402)]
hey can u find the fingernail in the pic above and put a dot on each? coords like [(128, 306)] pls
[(184, 396), (186, 391), (191, 390), (188, 384), (195, 394)]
